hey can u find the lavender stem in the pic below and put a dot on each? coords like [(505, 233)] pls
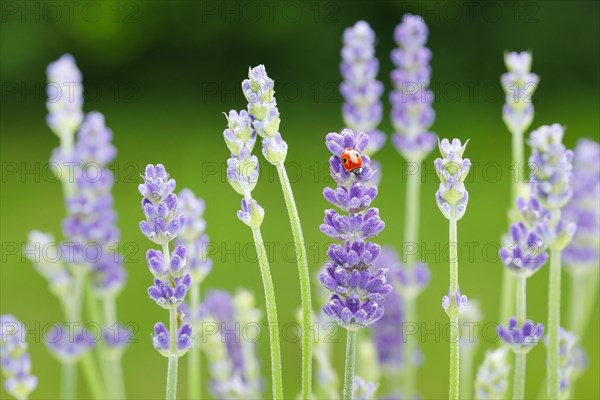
[(554, 323), (304, 280), (194, 376), (173, 358), (350, 364), (454, 342), (272, 320), (68, 387), (521, 358)]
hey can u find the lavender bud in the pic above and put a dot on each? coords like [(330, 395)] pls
[(14, 358), (452, 196), (242, 172), (65, 96), (454, 303), (68, 345), (252, 214), (275, 150), (524, 252)]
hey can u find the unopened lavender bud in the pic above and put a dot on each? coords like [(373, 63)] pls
[(252, 214), (452, 196), (454, 303), (65, 97), (239, 132), (242, 172), (275, 149), (519, 85), (269, 126)]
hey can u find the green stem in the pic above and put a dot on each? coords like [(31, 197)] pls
[(68, 389), (520, 358), (272, 320), (507, 308), (518, 159), (100, 348), (92, 376), (454, 342), (113, 361), (411, 235), (554, 323), (173, 357), (194, 384), (304, 280), (350, 364)]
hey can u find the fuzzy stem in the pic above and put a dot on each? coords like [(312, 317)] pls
[(350, 365), (173, 357), (304, 280), (272, 320), (194, 385), (411, 234), (92, 376), (68, 387), (454, 340), (554, 323), (520, 358)]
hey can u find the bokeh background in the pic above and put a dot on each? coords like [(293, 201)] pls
[(163, 73)]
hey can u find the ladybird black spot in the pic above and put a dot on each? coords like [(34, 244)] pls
[(344, 160)]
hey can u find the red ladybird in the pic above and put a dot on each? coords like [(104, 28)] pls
[(352, 161)]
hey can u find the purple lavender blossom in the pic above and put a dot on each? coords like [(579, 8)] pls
[(412, 113), (452, 196), (14, 358), (361, 90), (552, 169), (117, 337), (519, 85), (161, 339), (521, 338), (162, 223), (583, 252), (357, 289), (69, 345), (454, 302), (524, 252), (234, 367), (65, 96)]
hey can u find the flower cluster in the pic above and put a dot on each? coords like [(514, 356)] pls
[(91, 217), (583, 253), (262, 106), (551, 167), (521, 339), (524, 252), (412, 113), (242, 166), (193, 236), (519, 85), (492, 375), (14, 358), (69, 345), (454, 302), (357, 289), (452, 196), (362, 109), (171, 278), (234, 366), (65, 97)]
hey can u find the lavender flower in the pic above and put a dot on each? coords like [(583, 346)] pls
[(452, 196), (525, 252), (262, 106), (357, 289), (68, 345), (521, 339), (14, 358), (583, 252), (454, 303), (412, 113), (361, 90), (234, 368), (45, 254), (362, 390), (162, 339), (65, 97), (519, 85), (117, 337), (492, 375), (552, 168)]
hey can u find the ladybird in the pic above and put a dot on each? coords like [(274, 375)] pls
[(352, 161)]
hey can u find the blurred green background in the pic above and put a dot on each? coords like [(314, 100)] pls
[(163, 73)]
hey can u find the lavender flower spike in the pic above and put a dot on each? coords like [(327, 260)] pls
[(452, 196), (164, 223), (525, 252), (357, 289), (519, 85), (523, 338), (412, 113), (492, 375), (362, 109), (65, 97), (14, 358), (583, 253)]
